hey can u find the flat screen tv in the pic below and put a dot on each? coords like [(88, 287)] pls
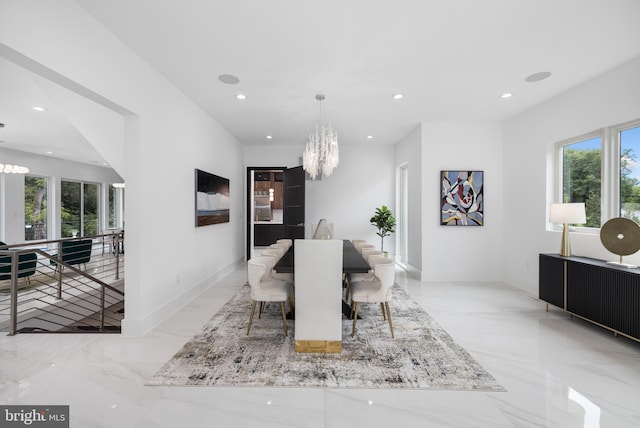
[(212, 198)]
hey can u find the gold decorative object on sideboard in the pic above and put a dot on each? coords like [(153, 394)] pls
[(621, 236)]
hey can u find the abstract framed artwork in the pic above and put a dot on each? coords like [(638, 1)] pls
[(462, 198), (212, 198)]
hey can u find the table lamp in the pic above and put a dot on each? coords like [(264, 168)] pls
[(565, 214)]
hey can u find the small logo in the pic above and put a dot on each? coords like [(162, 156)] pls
[(34, 416)]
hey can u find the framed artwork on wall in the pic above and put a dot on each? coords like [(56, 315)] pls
[(462, 198), (212, 199)]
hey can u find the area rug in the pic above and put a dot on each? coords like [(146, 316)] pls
[(422, 355)]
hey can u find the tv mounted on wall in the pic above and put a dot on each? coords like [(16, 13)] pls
[(212, 198)]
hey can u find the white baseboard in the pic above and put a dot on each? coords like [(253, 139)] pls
[(411, 270), (140, 327)]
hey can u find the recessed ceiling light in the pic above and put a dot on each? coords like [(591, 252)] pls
[(370, 137), (229, 79), (536, 77), (506, 95), (38, 108), (398, 96), (49, 152), (269, 137), (241, 96)]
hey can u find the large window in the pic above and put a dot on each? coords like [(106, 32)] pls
[(91, 213), (581, 176), (79, 209), (35, 207), (629, 141), (602, 170), (115, 206)]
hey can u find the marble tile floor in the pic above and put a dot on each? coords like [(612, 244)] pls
[(559, 372)]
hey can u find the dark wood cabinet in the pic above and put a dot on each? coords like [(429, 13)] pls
[(591, 289), (551, 284)]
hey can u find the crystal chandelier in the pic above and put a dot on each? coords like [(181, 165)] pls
[(321, 153)]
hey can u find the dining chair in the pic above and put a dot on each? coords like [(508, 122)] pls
[(287, 242), (367, 250), (277, 255), (318, 277), (377, 290), (360, 245), (265, 289), (279, 247), (372, 259)]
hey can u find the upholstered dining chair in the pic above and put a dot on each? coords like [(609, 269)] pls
[(265, 289), (360, 245), (367, 250), (373, 257), (282, 248), (377, 290), (287, 242), (277, 254)]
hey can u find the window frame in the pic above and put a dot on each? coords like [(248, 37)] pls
[(558, 188), (614, 135), (609, 171), (49, 222), (100, 205)]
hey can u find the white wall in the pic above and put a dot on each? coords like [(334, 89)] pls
[(166, 136), (408, 152), (364, 180), (529, 138), (12, 224), (462, 253)]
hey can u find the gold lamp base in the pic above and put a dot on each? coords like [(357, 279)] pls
[(565, 248)]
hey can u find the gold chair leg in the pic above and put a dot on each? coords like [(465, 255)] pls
[(384, 312), (284, 319), (261, 310), (386, 304), (253, 309), (355, 317)]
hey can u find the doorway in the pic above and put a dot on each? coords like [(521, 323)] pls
[(265, 206), (275, 205)]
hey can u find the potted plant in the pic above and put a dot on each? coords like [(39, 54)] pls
[(385, 222)]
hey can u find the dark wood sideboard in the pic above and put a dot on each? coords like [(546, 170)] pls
[(604, 294)]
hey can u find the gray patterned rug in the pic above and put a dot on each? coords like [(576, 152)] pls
[(422, 355)]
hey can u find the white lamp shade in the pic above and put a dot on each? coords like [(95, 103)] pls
[(570, 213)]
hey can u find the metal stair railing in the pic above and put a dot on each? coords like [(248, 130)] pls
[(51, 293)]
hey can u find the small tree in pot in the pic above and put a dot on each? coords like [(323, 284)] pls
[(385, 222)]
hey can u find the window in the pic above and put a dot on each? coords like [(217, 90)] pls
[(581, 177), (629, 141), (79, 210), (403, 213), (602, 169), (70, 209), (91, 202), (35, 207), (115, 206)]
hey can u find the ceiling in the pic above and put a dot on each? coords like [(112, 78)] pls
[(47, 133), (451, 59)]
